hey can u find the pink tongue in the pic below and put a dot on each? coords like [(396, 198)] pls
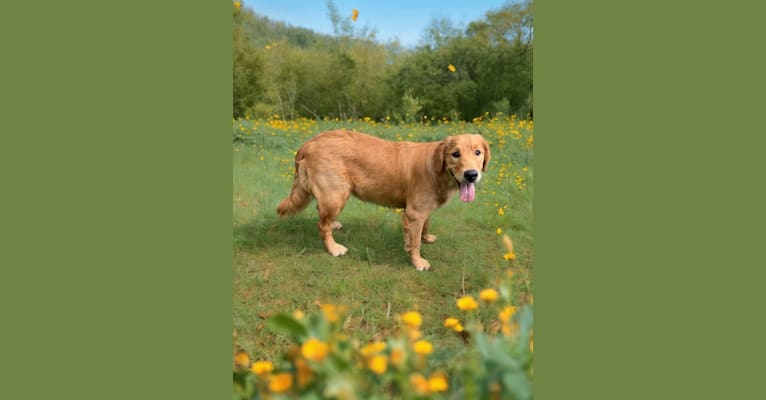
[(467, 191)]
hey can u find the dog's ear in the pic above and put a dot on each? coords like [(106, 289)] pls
[(439, 157), (441, 151), (487, 154)]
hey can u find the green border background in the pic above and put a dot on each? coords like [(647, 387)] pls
[(116, 182), (116, 215), (648, 199)]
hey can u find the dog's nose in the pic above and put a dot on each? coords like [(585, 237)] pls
[(471, 175)]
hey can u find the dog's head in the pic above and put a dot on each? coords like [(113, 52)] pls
[(465, 157)]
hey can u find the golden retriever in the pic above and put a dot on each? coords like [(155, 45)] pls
[(418, 177)]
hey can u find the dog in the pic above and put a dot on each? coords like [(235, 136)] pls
[(417, 177)]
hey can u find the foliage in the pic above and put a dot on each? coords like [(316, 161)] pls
[(299, 73), (326, 362), (248, 67)]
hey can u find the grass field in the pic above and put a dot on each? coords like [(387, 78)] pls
[(280, 265)]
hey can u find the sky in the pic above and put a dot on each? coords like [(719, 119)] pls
[(405, 20)]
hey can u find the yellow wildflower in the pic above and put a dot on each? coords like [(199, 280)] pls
[(498, 231), (489, 295), (298, 314), (509, 256), (414, 334), (467, 303), (242, 359), (303, 372), (397, 356), (507, 313), (437, 383), (262, 367), (378, 364), (412, 319), (500, 211), (451, 68), (419, 384), (354, 14), (458, 328), (372, 348), (331, 312), (237, 5), (423, 347), (451, 322), (281, 382), (315, 350)]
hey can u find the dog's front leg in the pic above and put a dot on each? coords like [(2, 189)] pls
[(412, 224), (427, 237)]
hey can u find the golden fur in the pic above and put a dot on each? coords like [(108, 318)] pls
[(418, 177)]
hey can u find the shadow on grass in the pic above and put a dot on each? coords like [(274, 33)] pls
[(371, 240)]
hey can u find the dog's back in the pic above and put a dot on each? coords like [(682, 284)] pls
[(370, 168)]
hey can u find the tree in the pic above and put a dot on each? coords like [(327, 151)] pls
[(248, 67)]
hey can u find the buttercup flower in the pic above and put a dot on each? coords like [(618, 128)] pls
[(437, 383), (372, 348), (303, 372), (397, 356), (412, 319), (423, 347), (467, 303), (507, 313), (315, 350), (242, 359), (281, 382), (451, 68), (262, 367), (413, 334), (419, 384), (451, 322), (489, 295), (378, 364), (331, 312)]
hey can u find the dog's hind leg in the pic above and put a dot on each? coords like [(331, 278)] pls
[(330, 204)]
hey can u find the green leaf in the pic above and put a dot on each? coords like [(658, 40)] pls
[(517, 383), (483, 345), (287, 325)]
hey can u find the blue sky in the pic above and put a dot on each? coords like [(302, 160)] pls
[(390, 18)]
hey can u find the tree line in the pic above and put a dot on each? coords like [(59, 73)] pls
[(455, 73)]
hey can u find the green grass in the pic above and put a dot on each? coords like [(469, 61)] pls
[(280, 264)]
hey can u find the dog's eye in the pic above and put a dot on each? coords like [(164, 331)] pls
[(456, 154), (478, 152)]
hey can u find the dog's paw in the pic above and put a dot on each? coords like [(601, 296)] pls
[(421, 264), (337, 250), (429, 238), (336, 225)]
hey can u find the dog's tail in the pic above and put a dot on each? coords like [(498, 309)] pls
[(300, 196)]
